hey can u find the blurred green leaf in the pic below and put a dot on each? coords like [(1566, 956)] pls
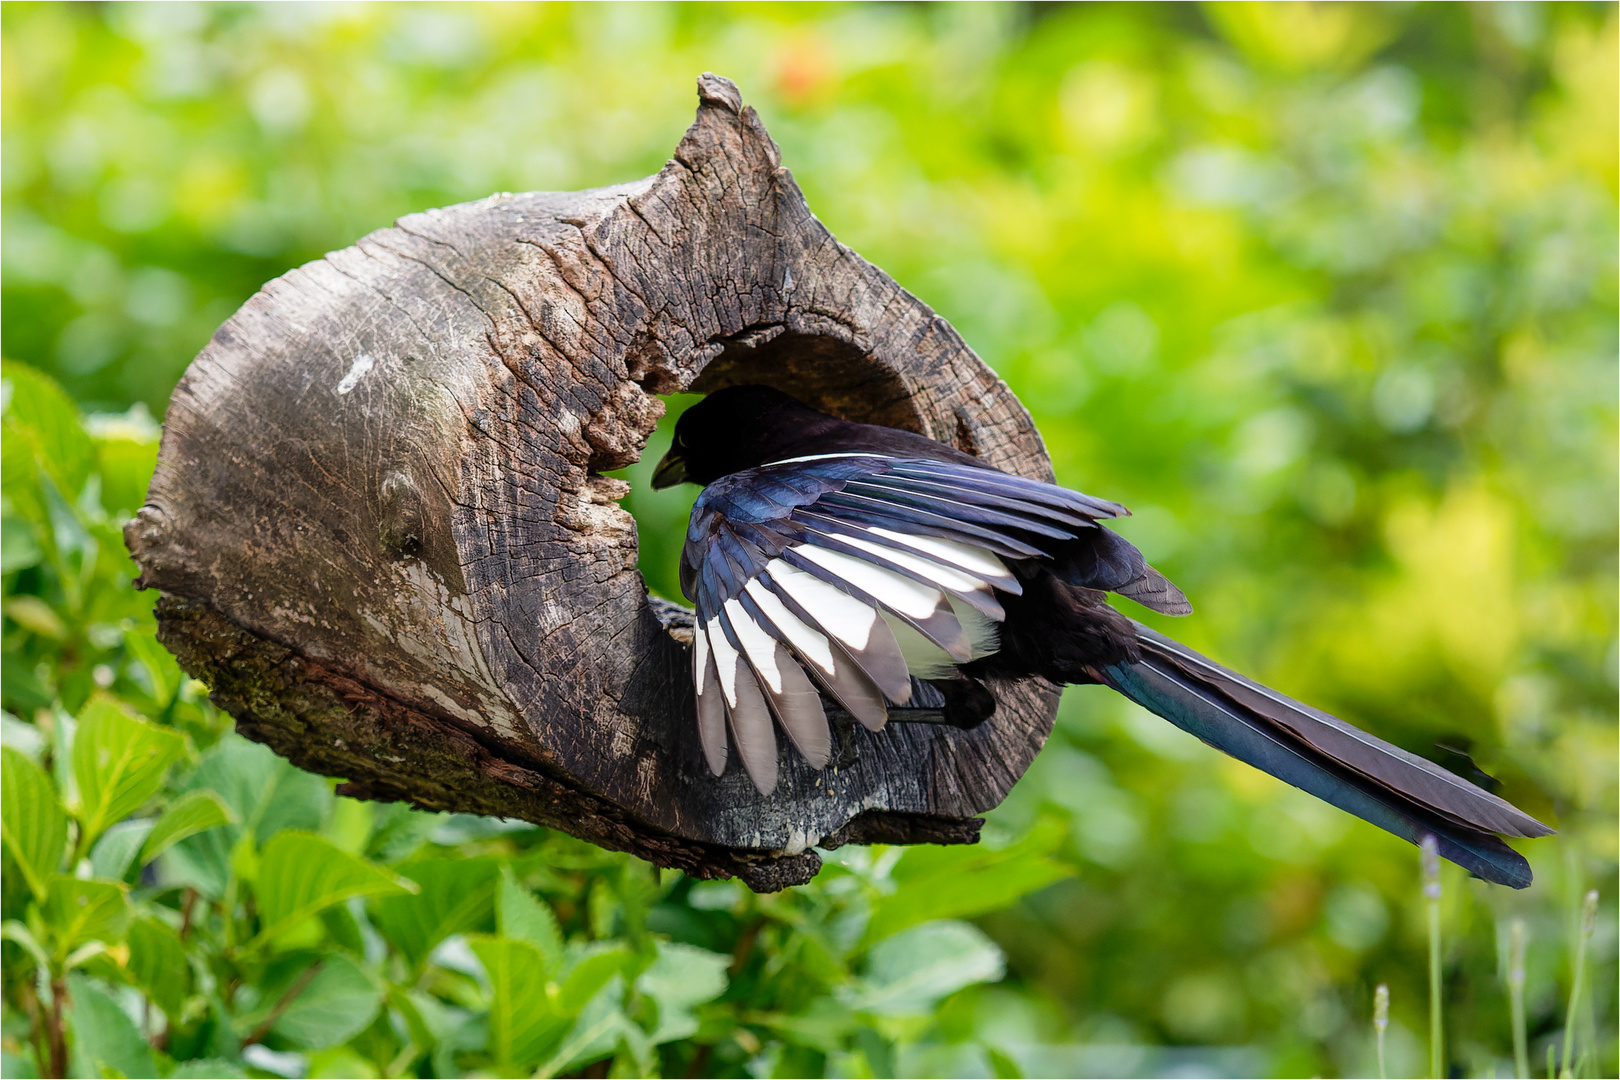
[(119, 763), (589, 975), (300, 873), (125, 466), (207, 1069), (110, 859), (335, 1006), (33, 614), (266, 793), (524, 1021), (79, 912), (158, 965), (191, 813), (600, 1028), (456, 895), (909, 972), (678, 980), (32, 821), (40, 417), (522, 917), (946, 882), (105, 1040), (19, 544)]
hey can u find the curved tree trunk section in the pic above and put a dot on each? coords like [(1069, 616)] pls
[(383, 538)]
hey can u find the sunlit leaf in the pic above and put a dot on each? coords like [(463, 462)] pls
[(157, 964), (300, 873), (332, 1008), (191, 813), (32, 820), (105, 1040), (910, 971), (43, 418), (456, 896), (589, 975), (119, 763), (524, 1021), (596, 1032), (680, 979), (951, 882), (520, 915), (110, 859), (266, 793), (78, 912), (19, 544)]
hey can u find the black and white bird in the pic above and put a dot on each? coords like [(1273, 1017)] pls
[(876, 564)]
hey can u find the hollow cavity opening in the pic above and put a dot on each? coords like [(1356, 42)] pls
[(825, 372)]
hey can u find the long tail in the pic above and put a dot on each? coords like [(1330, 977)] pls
[(1323, 755)]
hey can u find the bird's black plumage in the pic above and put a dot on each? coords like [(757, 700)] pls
[(862, 559)]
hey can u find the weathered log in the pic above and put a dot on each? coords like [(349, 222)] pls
[(384, 541)]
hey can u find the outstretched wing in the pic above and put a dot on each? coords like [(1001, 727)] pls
[(855, 572)]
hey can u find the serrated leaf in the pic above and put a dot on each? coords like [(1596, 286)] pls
[(79, 912), (119, 763), (265, 792), (105, 1040), (907, 973), (300, 873), (596, 1032), (157, 964), (191, 813), (457, 896), (524, 1022), (41, 416), (680, 979), (32, 821), (336, 1006), (521, 916), (589, 976), (939, 882)]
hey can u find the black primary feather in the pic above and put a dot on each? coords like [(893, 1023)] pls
[(897, 573)]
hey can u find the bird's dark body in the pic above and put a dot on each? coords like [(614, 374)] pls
[(825, 548)]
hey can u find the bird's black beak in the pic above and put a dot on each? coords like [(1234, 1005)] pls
[(670, 471)]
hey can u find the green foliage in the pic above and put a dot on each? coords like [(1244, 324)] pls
[(32, 821), (1326, 294)]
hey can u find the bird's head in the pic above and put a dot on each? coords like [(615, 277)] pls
[(737, 428)]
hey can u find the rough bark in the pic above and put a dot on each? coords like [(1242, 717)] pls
[(385, 542)]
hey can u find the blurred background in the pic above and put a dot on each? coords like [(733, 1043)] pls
[(1325, 293)]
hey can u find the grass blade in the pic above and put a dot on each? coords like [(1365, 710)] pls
[(1431, 894), (1515, 979), (1577, 984), (1381, 1024)]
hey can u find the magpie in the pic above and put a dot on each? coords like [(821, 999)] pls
[(882, 567)]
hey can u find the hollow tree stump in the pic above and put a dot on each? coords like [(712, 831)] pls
[(384, 541)]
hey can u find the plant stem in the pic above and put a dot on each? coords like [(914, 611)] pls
[(1381, 1023), (1577, 983), (1431, 894), (1515, 979), (299, 985), (53, 1027)]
